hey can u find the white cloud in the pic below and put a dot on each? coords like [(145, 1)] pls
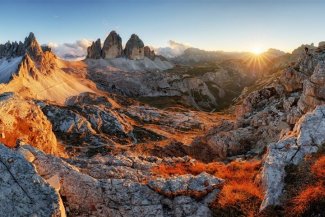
[(174, 49), (71, 51)]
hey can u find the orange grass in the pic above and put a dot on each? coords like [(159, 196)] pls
[(239, 191), (318, 168), (308, 197), (312, 194)]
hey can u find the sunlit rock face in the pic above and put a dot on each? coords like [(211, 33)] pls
[(112, 47), (134, 48), (22, 121), (307, 137)]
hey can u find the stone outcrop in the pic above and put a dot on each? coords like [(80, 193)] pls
[(85, 195), (183, 121), (314, 90), (149, 53), (112, 47), (134, 48), (21, 121), (306, 138), (292, 80), (23, 191), (95, 50), (101, 124)]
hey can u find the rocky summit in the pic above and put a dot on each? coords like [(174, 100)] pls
[(126, 132), (112, 47), (134, 48)]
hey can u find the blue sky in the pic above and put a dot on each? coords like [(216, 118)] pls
[(230, 25)]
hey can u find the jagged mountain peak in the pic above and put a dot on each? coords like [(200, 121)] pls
[(18, 49), (112, 47), (31, 37)]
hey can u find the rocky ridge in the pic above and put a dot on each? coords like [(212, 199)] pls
[(37, 73), (281, 122)]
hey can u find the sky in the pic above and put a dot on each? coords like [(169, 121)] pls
[(229, 25)]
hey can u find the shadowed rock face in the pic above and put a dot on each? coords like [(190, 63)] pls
[(112, 46), (134, 48), (95, 50), (23, 191), (14, 49)]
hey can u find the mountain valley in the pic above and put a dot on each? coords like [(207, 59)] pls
[(127, 132)]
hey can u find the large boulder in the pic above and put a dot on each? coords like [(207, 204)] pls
[(134, 48), (23, 191), (112, 46), (313, 89), (95, 50), (307, 137), (292, 80), (21, 121)]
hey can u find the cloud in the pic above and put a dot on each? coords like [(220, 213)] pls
[(71, 51), (174, 49)]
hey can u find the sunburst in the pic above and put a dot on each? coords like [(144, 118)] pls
[(257, 61)]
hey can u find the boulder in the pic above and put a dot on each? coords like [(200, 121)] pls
[(307, 137), (313, 89), (134, 48), (21, 121), (112, 47), (23, 191), (292, 80)]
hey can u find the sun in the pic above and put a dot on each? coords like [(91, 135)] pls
[(257, 50)]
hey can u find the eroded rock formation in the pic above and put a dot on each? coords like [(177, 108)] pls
[(95, 50), (134, 48), (149, 53), (112, 47)]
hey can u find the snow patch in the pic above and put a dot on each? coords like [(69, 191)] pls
[(8, 67)]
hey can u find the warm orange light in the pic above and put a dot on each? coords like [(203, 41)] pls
[(257, 50)]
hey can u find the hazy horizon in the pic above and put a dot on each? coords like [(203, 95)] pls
[(222, 25)]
